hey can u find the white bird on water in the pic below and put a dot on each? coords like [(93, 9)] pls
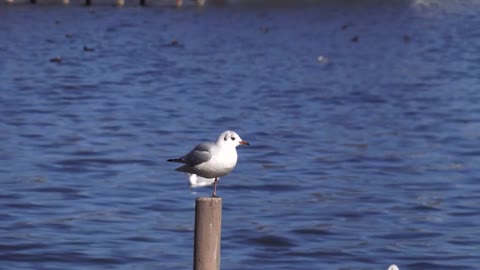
[(393, 267), (212, 160)]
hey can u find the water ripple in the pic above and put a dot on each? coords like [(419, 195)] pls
[(367, 160)]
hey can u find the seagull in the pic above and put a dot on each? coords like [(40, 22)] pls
[(212, 160), (393, 267)]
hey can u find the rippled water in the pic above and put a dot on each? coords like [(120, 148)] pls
[(366, 160)]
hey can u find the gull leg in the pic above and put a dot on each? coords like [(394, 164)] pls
[(215, 187)]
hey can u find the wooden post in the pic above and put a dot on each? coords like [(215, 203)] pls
[(208, 227), (142, 2), (88, 2)]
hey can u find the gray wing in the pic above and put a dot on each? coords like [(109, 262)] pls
[(200, 154)]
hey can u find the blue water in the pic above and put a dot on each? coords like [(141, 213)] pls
[(366, 160)]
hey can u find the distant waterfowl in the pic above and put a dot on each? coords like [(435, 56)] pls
[(87, 49), (56, 59), (345, 26), (322, 59), (174, 43)]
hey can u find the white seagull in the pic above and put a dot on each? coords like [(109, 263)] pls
[(212, 160), (393, 267)]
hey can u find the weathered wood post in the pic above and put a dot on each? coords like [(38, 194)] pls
[(208, 227)]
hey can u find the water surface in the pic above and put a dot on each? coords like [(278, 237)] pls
[(363, 161)]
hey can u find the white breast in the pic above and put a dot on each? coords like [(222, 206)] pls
[(222, 163)]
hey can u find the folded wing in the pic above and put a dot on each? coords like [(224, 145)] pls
[(200, 154)]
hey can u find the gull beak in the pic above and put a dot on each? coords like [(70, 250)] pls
[(243, 142)]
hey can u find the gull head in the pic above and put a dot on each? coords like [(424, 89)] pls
[(230, 138)]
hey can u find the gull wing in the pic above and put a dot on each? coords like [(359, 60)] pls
[(200, 154)]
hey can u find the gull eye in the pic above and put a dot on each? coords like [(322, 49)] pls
[(233, 138)]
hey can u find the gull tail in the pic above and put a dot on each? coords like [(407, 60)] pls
[(175, 160), (185, 169)]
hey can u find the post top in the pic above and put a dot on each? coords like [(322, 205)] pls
[(206, 199)]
